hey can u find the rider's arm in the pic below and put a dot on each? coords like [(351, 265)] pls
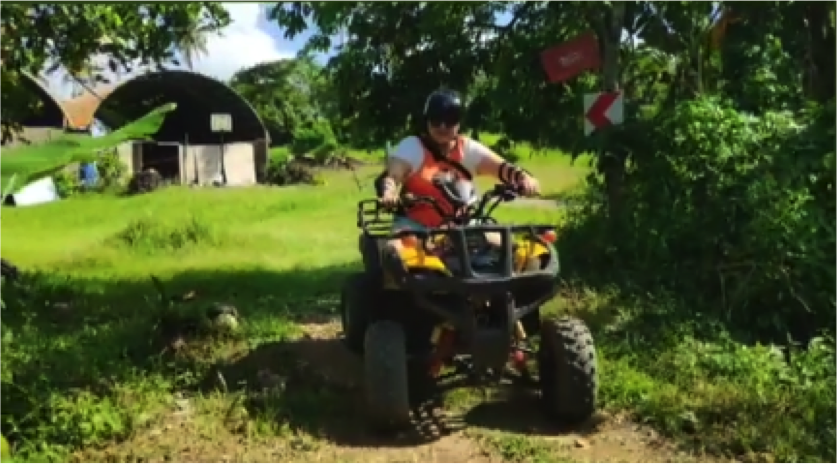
[(394, 174), (404, 159), (487, 163)]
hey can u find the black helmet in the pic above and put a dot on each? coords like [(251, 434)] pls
[(443, 106)]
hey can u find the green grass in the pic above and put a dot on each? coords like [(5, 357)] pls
[(94, 369), (86, 332)]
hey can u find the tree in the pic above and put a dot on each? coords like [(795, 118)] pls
[(38, 37), (192, 44), (82, 78), (724, 100), (287, 94), (397, 52)]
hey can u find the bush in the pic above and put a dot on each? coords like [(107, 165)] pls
[(286, 169), (313, 136), (112, 171), (145, 182), (67, 183), (279, 154), (291, 171), (150, 235), (733, 211)]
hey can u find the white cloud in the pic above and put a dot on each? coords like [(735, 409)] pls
[(243, 43), (239, 45)]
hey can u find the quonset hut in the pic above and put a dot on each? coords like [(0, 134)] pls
[(46, 120), (186, 149)]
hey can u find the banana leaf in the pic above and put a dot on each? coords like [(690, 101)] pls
[(23, 164)]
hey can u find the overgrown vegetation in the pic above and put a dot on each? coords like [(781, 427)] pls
[(719, 190), (701, 249), (48, 38), (111, 176)]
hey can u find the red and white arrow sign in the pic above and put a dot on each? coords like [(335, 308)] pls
[(601, 110)]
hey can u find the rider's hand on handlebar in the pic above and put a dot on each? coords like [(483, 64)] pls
[(529, 186), (389, 199)]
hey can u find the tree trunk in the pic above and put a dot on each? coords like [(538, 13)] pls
[(822, 50), (613, 158)]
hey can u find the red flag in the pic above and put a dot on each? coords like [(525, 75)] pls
[(569, 59)]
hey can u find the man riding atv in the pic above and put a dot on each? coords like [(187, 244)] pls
[(420, 164)]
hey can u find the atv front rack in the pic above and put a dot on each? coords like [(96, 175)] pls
[(373, 219), (471, 279)]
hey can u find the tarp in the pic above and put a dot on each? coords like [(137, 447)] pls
[(38, 192)]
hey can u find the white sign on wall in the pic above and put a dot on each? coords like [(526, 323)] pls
[(220, 122)]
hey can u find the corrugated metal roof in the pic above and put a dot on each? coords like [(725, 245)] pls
[(42, 84), (132, 98), (81, 110)]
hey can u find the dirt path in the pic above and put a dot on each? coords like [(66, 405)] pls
[(318, 418)]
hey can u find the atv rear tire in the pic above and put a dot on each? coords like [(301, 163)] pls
[(385, 377), (356, 299), (568, 370)]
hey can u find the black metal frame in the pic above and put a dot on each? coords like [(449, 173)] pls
[(376, 223)]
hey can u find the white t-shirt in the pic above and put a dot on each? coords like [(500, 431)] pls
[(411, 151)]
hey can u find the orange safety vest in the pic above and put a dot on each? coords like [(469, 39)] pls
[(420, 183)]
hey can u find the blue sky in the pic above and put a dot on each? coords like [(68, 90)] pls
[(249, 39)]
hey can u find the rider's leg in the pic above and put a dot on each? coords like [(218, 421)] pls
[(494, 239), (392, 250)]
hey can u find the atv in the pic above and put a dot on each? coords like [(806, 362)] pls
[(463, 311)]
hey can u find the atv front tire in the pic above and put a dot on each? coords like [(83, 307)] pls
[(568, 370), (356, 299), (385, 376)]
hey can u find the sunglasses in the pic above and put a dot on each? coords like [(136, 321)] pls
[(447, 122), (448, 119)]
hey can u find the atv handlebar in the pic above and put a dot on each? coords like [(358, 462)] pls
[(500, 192), (459, 232), (369, 214)]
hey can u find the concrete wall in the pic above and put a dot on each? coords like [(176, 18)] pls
[(203, 163), (126, 154), (35, 135)]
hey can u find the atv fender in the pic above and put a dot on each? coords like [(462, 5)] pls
[(417, 259), (526, 251)]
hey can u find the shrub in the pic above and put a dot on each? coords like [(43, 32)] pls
[(112, 171), (150, 235), (67, 183), (313, 136), (291, 171), (145, 182), (733, 211)]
